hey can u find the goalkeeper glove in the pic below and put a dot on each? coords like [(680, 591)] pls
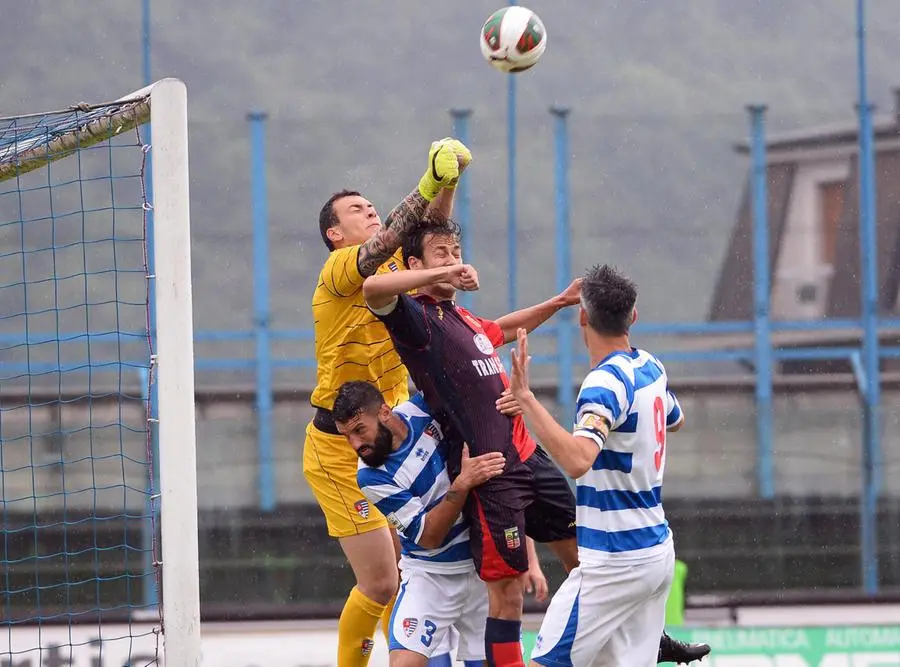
[(463, 158), (443, 168)]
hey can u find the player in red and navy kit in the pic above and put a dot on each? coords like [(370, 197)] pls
[(451, 356)]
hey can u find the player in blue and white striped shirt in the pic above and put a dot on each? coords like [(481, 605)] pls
[(403, 471), (625, 407), (612, 606)]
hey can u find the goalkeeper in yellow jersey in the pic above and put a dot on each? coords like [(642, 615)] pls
[(352, 344)]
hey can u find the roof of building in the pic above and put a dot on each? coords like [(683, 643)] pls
[(884, 125), (733, 294)]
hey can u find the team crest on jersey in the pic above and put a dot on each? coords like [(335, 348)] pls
[(432, 431), (392, 265), (483, 343), (362, 508), (409, 626), (512, 538), (367, 646)]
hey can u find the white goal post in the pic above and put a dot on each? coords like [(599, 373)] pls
[(175, 373), (32, 142)]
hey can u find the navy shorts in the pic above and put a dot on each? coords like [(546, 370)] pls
[(531, 498)]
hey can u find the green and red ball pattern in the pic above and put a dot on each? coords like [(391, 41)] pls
[(530, 38)]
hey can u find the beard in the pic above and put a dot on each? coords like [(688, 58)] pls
[(378, 452)]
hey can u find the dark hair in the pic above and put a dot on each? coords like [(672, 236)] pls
[(355, 397), (328, 218), (433, 223), (608, 299)]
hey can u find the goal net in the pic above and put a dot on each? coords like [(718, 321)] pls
[(98, 507)]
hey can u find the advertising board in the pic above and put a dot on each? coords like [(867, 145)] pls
[(297, 644)]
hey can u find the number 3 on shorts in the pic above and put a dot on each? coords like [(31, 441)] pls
[(659, 425), (429, 632)]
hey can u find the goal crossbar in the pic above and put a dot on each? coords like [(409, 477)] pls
[(27, 143)]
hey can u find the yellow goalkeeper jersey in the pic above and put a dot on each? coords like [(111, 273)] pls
[(351, 343)]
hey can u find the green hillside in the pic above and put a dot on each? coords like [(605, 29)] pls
[(356, 90)]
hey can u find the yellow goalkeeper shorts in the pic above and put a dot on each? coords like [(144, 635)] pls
[(329, 465)]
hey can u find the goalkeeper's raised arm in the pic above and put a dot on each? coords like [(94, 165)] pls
[(360, 225)]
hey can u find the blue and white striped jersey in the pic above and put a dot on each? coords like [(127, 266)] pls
[(625, 406), (411, 482)]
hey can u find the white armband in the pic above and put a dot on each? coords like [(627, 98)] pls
[(593, 426)]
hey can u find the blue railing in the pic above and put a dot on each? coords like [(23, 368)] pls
[(759, 350)]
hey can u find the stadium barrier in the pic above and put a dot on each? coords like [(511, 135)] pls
[(311, 643)]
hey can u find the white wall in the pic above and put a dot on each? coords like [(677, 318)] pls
[(800, 259)]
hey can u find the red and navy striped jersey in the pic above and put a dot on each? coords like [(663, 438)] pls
[(451, 356)]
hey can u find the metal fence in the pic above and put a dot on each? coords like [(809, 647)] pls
[(757, 440), (779, 482)]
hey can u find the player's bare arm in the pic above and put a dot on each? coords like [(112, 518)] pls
[(385, 242), (382, 290), (508, 405), (445, 159), (673, 407), (473, 472), (574, 454), (676, 426), (531, 318), (443, 203), (534, 580)]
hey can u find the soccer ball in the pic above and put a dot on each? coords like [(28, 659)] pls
[(513, 39)]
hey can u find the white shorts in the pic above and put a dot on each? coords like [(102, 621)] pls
[(609, 615), (429, 604)]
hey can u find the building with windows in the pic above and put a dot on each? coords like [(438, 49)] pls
[(813, 211)]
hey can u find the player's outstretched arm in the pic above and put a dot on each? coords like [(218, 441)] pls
[(574, 454), (443, 203), (443, 170), (382, 290), (533, 317), (385, 242), (473, 472)]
